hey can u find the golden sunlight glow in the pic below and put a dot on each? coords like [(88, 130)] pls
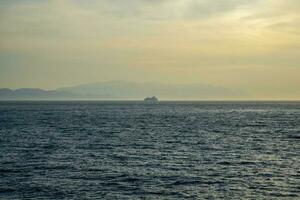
[(252, 46)]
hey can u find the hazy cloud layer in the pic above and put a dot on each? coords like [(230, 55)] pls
[(241, 44)]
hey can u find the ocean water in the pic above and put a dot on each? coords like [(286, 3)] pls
[(133, 150)]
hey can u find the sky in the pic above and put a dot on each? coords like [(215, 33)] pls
[(252, 46)]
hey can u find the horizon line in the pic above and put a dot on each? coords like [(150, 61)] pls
[(162, 101)]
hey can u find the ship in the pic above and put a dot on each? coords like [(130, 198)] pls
[(151, 99)]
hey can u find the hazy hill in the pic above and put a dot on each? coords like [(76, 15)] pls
[(133, 90), (34, 94), (122, 90)]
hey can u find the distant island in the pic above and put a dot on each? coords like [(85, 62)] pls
[(151, 99), (123, 90)]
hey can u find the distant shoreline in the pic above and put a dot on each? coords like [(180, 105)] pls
[(161, 101)]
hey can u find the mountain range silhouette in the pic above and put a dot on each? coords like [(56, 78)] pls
[(123, 90)]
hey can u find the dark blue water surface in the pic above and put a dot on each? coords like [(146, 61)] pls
[(132, 150)]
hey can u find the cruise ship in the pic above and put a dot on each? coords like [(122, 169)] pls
[(151, 99)]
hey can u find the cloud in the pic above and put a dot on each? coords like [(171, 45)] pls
[(169, 9)]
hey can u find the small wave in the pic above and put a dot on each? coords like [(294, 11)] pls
[(297, 137), (7, 189), (225, 163), (195, 182), (247, 163)]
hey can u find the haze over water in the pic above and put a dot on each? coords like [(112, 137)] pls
[(134, 150)]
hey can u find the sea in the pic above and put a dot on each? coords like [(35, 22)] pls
[(136, 150)]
